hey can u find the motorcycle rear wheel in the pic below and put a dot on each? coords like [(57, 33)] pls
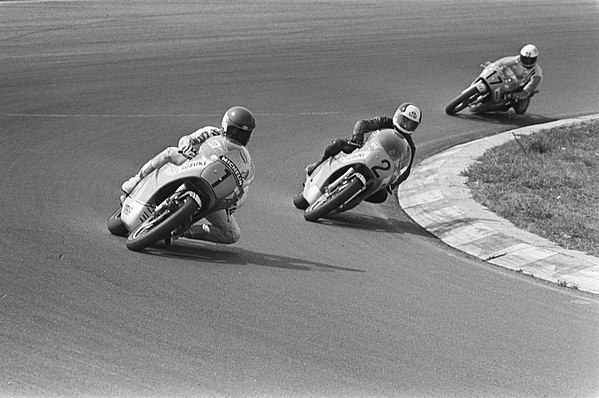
[(160, 226), (328, 203), (115, 224), (462, 101)]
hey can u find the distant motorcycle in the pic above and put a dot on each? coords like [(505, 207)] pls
[(341, 182), (176, 196), (491, 91)]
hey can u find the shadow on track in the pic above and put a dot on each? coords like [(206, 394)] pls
[(372, 223), (209, 253), (506, 118)]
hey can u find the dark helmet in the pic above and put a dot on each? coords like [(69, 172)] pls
[(407, 118), (238, 124), (528, 55)]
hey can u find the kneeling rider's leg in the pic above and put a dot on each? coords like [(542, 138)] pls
[(223, 228)]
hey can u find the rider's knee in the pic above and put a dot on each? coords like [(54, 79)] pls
[(521, 106), (378, 197), (231, 236)]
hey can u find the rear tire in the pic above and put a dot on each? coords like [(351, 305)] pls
[(462, 101), (328, 203), (160, 226), (115, 224)]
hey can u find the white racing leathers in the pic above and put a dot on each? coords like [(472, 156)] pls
[(529, 78), (221, 226)]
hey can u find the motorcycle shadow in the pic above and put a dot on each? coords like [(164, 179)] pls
[(203, 252), (373, 223), (528, 119)]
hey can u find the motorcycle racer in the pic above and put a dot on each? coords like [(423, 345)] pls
[(523, 67), (404, 122), (235, 131)]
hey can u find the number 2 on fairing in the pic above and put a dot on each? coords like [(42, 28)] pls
[(386, 166)]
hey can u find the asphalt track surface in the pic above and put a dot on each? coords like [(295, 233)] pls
[(364, 304)]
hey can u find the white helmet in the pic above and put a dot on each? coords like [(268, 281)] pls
[(407, 118), (528, 55)]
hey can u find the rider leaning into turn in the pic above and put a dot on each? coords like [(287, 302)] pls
[(236, 127), (404, 122), (526, 69)]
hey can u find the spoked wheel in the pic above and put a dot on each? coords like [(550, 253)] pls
[(462, 100), (115, 224), (328, 203), (178, 212)]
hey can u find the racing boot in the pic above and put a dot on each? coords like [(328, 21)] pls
[(520, 106), (182, 232)]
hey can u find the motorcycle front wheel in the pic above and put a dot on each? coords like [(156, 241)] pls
[(299, 201), (160, 225), (462, 101), (328, 203), (115, 224)]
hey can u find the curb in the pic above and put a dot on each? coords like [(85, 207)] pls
[(436, 197)]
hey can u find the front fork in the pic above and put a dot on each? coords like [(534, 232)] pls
[(332, 186), (177, 196), (351, 171)]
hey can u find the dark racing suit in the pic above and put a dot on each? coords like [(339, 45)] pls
[(366, 126)]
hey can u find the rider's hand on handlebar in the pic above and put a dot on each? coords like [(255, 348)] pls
[(355, 141), (518, 96)]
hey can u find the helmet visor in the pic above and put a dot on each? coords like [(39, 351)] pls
[(528, 61), (408, 124)]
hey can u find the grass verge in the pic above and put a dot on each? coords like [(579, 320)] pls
[(546, 183)]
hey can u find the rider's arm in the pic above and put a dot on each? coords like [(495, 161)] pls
[(169, 155), (204, 133), (367, 125), (534, 82), (189, 145)]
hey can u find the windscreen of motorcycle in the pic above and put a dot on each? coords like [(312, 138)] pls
[(392, 143)]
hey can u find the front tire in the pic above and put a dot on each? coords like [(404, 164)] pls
[(160, 226), (328, 203), (462, 101), (115, 224), (300, 202)]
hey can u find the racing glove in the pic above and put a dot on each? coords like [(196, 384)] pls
[(518, 96), (356, 140)]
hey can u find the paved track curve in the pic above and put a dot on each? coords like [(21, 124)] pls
[(364, 304)]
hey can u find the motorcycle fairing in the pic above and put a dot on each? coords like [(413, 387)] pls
[(209, 179), (372, 160), (498, 80)]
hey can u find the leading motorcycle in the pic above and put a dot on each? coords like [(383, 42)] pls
[(341, 182), (493, 90), (176, 196)]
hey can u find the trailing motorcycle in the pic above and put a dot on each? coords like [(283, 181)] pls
[(341, 182), (493, 90), (176, 196)]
